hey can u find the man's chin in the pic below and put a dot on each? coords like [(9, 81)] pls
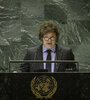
[(49, 47)]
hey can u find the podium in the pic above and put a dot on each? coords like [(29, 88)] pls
[(44, 86), (48, 61), (70, 86)]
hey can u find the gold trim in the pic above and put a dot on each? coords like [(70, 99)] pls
[(43, 86)]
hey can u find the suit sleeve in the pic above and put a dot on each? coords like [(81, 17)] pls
[(70, 56), (25, 67)]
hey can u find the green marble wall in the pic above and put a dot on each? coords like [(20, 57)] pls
[(20, 21)]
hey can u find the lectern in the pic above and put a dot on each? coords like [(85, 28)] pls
[(44, 86), (41, 61)]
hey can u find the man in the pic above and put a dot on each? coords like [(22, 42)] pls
[(48, 50)]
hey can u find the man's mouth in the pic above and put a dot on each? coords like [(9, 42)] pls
[(49, 43)]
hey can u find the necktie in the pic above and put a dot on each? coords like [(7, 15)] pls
[(48, 65)]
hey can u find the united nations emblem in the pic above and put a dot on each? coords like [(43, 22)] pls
[(43, 86)]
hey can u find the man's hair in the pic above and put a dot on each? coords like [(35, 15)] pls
[(46, 27)]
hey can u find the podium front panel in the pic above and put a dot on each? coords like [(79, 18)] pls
[(37, 86)]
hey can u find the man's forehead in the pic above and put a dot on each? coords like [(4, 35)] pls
[(50, 33)]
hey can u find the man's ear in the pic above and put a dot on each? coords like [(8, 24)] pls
[(41, 39), (57, 39)]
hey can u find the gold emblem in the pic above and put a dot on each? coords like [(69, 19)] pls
[(43, 86)]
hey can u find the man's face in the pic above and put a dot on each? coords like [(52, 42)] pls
[(49, 40)]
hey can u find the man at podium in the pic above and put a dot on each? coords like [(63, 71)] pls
[(48, 50)]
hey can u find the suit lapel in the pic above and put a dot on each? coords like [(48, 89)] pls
[(58, 56), (40, 56)]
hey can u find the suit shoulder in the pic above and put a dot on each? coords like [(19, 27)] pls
[(67, 52), (33, 48), (64, 48)]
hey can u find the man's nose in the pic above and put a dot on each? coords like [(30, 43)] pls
[(49, 40)]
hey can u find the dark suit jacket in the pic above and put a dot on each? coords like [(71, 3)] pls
[(35, 53)]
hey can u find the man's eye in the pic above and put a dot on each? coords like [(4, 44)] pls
[(46, 37), (52, 37)]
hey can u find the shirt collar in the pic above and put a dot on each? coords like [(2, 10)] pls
[(52, 49)]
